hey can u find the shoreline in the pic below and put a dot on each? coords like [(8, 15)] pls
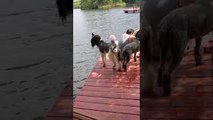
[(77, 5)]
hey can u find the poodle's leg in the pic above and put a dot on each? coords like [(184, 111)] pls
[(198, 52), (126, 61), (178, 45), (211, 51), (164, 59), (105, 59), (103, 56), (114, 60), (135, 56), (111, 57), (176, 59), (119, 61), (120, 66), (212, 57)]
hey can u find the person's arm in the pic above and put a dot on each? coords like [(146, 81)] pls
[(131, 38), (135, 32)]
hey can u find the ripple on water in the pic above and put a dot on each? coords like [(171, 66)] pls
[(81, 62), (76, 81)]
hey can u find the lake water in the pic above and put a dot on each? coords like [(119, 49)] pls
[(103, 23)]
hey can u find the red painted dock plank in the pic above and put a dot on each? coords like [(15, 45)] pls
[(62, 109), (114, 108), (120, 85), (118, 80), (192, 94), (115, 90), (133, 96), (99, 115), (108, 94), (133, 103)]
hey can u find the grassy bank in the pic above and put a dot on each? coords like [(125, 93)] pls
[(112, 5), (77, 4)]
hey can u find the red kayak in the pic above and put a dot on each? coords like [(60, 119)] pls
[(132, 10)]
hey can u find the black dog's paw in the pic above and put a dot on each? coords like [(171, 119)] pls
[(166, 83), (198, 63), (125, 69), (114, 68), (166, 93)]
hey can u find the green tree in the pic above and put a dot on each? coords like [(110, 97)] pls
[(94, 4), (89, 4), (117, 1)]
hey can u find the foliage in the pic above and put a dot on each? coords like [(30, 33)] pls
[(131, 1), (89, 4), (77, 4), (102, 4)]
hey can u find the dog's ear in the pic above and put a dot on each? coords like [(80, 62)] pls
[(93, 34)]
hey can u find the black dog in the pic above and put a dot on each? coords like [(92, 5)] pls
[(103, 47), (175, 30), (127, 51), (64, 8)]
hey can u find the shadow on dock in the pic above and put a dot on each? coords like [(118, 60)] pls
[(192, 94)]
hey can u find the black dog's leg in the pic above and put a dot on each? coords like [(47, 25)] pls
[(124, 58), (104, 59), (124, 66), (126, 61), (135, 57), (212, 57), (166, 82), (160, 76), (177, 53), (166, 85), (128, 58), (164, 58), (198, 52)]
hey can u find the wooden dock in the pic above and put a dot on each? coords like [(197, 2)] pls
[(62, 109), (110, 95), (192, 94)]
